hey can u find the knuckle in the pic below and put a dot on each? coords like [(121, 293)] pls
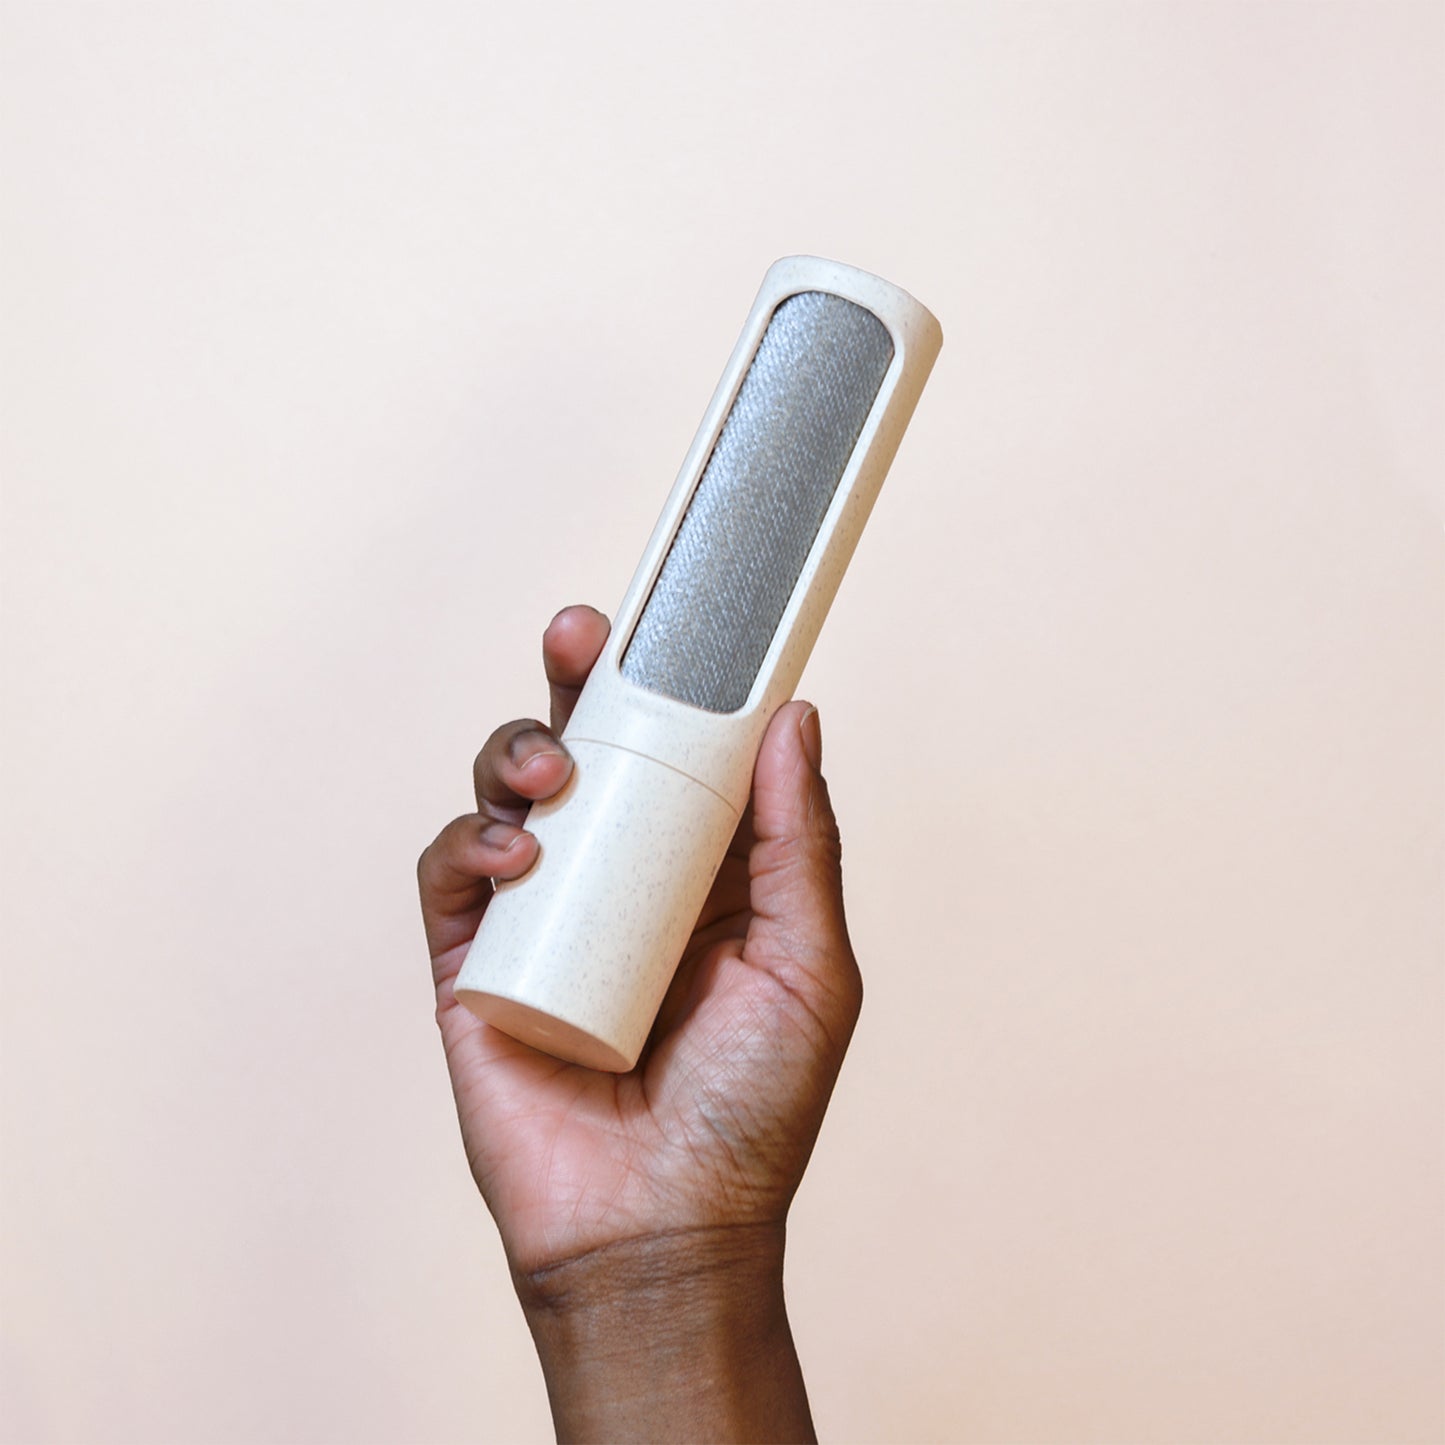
[(500, 737), (431, 857)]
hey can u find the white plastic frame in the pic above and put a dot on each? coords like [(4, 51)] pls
[(575, 958), (718, 749)]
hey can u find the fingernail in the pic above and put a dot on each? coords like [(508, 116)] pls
[(501, 836), (526, 747), (811, 732)]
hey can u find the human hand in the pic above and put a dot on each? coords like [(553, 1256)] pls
[(670, 1183)]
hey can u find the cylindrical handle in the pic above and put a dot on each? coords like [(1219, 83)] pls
[(575, 957)]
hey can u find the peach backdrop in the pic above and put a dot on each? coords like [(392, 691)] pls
[(344, 343)]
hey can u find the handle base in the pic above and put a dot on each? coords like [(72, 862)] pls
[(545, 1032)]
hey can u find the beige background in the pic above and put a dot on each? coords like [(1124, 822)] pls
[(344, 343)]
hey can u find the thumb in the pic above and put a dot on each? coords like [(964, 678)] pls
[(796, 861)]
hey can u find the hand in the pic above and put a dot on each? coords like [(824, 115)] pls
[(675, 1178)]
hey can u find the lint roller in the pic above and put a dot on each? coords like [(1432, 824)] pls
[(710, 640)]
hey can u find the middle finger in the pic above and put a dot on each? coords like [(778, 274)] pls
[(521, 762)]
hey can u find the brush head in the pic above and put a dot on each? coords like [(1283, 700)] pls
[(758, 506)]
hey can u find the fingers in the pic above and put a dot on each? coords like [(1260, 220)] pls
[(570, 645), (521, 762), (454, 875), (796, 868)]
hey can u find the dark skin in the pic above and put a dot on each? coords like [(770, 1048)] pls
[(643, 1214)]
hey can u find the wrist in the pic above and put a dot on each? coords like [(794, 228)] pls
[(681, 1335), (684, 1267)]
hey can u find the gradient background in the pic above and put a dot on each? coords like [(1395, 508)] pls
[(344, 343)]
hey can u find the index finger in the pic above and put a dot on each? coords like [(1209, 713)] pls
[(571, 645)]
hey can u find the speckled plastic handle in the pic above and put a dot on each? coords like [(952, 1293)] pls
[(575, 957)]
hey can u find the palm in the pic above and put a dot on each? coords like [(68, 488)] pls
[(570, 1159)]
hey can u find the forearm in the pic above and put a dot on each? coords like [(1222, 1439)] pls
[(683, 1337)]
